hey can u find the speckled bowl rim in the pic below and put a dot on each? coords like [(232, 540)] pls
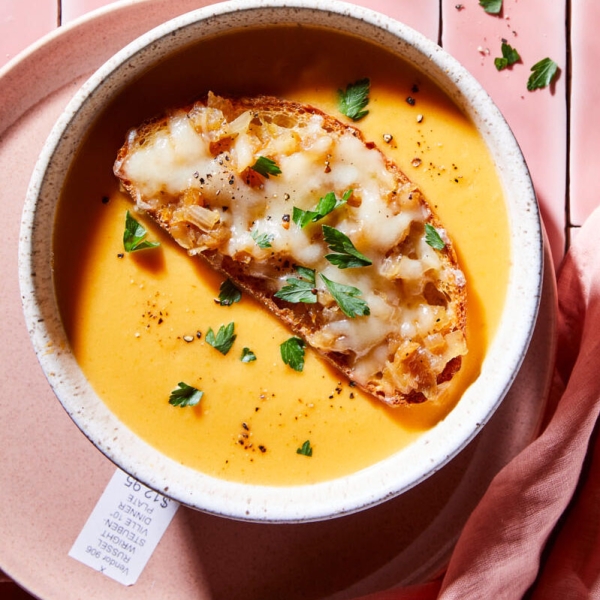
[(367, 487)]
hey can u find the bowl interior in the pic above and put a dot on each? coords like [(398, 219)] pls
[(266, 503)]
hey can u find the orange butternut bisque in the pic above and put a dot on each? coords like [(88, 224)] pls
[(137, 322)]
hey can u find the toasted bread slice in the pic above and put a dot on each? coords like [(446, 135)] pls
[(282, 198)]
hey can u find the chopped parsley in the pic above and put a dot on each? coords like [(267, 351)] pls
[(134, 234), (433, 238), (247, 355), (326, 205), (266, 167), (228, 293), (354, 99), (305, 273), (292, 353), (263, 240), (509, 57), (542, 74), (185, 395), (224, 338), (348, 256), (305, 449), (347, 298), (299, 290), (493, 7)]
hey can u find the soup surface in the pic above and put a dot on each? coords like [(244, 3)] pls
[(137, 322)]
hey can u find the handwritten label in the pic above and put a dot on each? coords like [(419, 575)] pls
[(124, 529)]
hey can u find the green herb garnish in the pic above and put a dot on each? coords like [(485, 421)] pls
[(299, 290), (224, 338), (433, 238), (305, 449), (305, 273), (266, 167), (326, 205), (493, 7), (347, 298), (185, 395), (228, 293), (509, 57), (542, 74), (354, 99), (292, 353), (247, 355), (134, 234), (348, 256), (263, 240)]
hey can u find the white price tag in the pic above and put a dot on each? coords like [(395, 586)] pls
[(124, 529)]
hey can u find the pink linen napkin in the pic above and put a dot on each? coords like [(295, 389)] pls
[(536, 531)]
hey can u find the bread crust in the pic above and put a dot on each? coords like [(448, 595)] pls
[(445, 294)]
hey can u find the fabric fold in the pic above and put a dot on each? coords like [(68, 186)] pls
[(536, 531)]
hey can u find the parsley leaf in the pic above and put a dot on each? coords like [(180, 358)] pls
[(354, 99), (303, 217), (299, 290), (347, 298), (493, 7), (247, 355), (134, 234), (433, 238), (292, 353), (224, 338), (228, 293), (263, 240), (326, 205), (266, 166), (185, 395), (509, 57), (306, 273), (348, 255), (542, 74), (306, 449)]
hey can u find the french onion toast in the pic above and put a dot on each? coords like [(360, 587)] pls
[(298, 210)]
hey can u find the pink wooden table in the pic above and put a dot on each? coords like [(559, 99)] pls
[(557, 127)]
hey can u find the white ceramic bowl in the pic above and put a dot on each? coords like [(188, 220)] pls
[(369, 486)]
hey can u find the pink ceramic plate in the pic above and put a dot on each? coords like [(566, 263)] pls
[(51, 476)]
